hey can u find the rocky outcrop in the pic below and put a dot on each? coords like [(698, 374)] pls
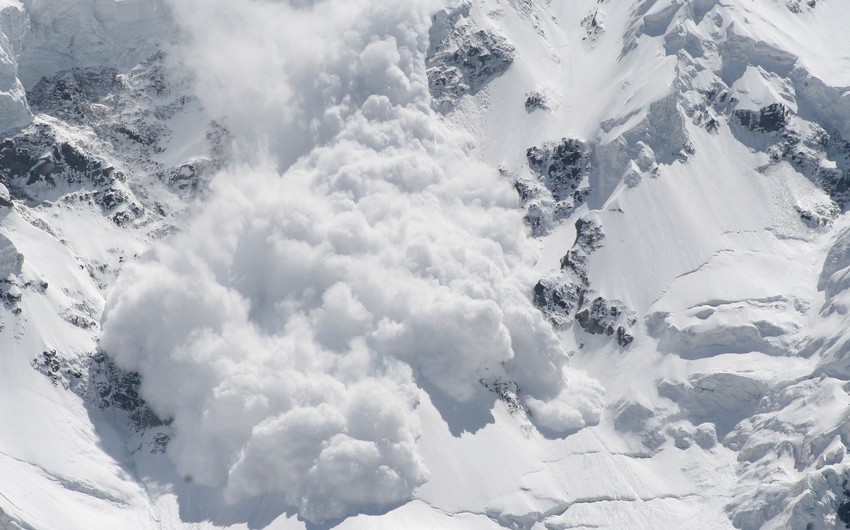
[(95, 148), (608, 317), (771, 118), (558, 184), (537, 100), (798, 6), (39, 164), (820, 155), (562, 166), (594, 23), (508, 392), (104, 386), (558, 299), (560, 295), (75, 95), (104, 133), (589, 237), (566, 295), (463, 57)]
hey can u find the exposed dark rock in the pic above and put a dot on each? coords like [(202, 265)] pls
[(103, 111), (843, 513), (526, 189), (771, 118), (80, 321), (188, 176), (558, 299), (593, 24), (561, 295), (128, 111), (116, 388), (563, 165), (797, 6), (567, 292), (97, 380), (589, 237), (558, 183), (609, 318), (11, 266), (822, 156), (36, 165), (538, 203), (60, 371), (71, 95), (9, 297), (589, 234), (463, 58), (536, 100), (808, 149), (562, 171), (508, 392), (137, 135), (160, 443)]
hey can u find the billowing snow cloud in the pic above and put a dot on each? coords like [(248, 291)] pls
[(355, 254)]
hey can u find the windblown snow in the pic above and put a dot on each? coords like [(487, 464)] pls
[(424, 264), (301, 309)]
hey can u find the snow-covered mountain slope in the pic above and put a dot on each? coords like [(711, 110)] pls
[(359, 264)]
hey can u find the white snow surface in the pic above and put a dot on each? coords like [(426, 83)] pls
[(314, 304), (325, 325)]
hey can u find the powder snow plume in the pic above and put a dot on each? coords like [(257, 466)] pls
[(355, 255)]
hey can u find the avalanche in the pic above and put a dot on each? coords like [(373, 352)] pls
[(361, 264)]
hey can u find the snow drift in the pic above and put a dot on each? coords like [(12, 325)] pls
[(356, 255)]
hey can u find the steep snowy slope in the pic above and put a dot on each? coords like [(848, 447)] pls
[(712, 168), (359, 264), (96, 162)]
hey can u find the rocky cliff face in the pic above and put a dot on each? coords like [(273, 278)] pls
[(103, 152)]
